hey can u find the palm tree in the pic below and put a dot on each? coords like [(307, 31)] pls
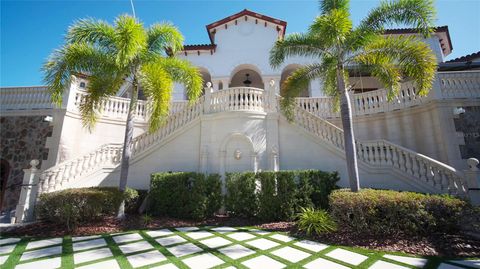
[(112, 55), (339, 46)]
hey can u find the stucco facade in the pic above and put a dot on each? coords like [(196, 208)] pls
[(413, 143)]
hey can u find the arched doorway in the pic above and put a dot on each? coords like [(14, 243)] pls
[(286, 72), (246, 76), (4, 173)]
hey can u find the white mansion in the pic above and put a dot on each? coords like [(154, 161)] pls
[(412, 143)]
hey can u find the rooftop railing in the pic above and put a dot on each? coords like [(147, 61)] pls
[(451, 85)]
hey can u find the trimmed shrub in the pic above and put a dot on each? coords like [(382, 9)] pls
[(241, 199), (281, 194), (385, 212), (314, 221), (184, 195), (72, 206), (268, 202)]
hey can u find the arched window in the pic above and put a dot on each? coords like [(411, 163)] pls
[(82, 85)]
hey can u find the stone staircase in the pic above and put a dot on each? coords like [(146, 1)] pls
[(372, 155), (382, 154), (60, 176)]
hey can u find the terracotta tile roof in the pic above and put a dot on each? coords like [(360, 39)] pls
[(242, 13), (466, 58), (437, 30), (283, 24), (200, 47)]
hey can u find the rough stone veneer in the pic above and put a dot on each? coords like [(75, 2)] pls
[(22, 139), (468, 124)]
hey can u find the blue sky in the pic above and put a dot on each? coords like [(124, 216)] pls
[(30, 30)]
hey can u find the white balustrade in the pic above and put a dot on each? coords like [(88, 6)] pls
[(323, 107), (408, 162), (57, 177), (238, 99), (382, 153), (461, 84), (25, 98)]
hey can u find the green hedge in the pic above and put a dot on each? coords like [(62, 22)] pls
[(241, 199), (279, 195), (72, 206), (185, 195), (386, 212)]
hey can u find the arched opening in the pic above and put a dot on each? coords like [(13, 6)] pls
[(287, 71), (206, 77), (4, 173), (246, 76)]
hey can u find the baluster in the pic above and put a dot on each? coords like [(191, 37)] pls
[(52, 181)]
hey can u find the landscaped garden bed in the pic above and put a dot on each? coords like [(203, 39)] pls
[(419, 224), (447, 245)]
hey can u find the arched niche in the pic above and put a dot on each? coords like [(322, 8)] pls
[(286, 72), (244, 73), (238, 154)]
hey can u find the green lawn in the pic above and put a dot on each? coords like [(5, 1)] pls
[(265, 246)]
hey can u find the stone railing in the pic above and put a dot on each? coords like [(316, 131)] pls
[(364, 103), (381, 153), (113, 107), (25, 98), (57, 177), (413, 164), (236, 99), (461, 84), (172, 123)]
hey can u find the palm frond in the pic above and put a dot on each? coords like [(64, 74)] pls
[(329, 5), (164, 36), (185, 73), (157, 85), (102, 84), (419, 14), (68, 60), (334, 27), (305, 45), (93, 32), (297, 82), (411, 57), (130, 39)]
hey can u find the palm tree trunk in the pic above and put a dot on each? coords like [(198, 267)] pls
[(127, 146), (348, 136)]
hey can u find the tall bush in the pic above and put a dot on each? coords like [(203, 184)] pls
[(281, 194), (385, 212), (73, 206), (241, 199), (184, 195)]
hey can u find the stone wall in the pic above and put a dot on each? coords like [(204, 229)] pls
[(22, 139), (468, 124)]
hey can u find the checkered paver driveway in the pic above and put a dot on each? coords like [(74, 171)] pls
[(201, 247)]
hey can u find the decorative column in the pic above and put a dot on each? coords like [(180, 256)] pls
[(28, 194), (272, 96), (472, 177), (69, 96), (216, 84), (208, 97), (204, 160), (272, 127), (274, 159), (225, 83)]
